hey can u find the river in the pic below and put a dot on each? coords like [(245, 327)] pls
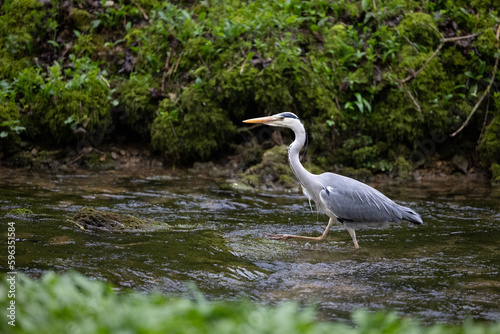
[(443, 271)]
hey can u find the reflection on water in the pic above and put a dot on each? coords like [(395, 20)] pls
[(445, 270)]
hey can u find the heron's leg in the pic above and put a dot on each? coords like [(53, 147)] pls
[(352, 232), (299, 237)]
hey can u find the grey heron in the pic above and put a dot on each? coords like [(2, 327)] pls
[(346, 201)]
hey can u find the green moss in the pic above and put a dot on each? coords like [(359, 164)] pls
[(20, 212), (489, 147), (252, 180), (89, 219), (88, 109), (8, 111), (146, 4), (81, 18), (47, 160), (484, 5), (99, 162), (190, 128), (361, 174), (486, 43), (136, 101), (453, 56), (18, 26), (495, 171), (403, 169), (88, 45), (336, 38), (57, 103), (273, 169), (419, 28), (10, 128)]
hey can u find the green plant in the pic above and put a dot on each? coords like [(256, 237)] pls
[(58, 303), (361, 103), (13, 126)]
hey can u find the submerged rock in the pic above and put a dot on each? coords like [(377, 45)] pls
[(273, 170), (89, 219)]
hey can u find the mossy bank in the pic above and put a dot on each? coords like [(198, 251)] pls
[(380, 85)]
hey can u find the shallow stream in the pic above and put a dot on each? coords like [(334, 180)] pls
[(443, 271)]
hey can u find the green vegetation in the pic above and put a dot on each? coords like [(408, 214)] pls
[(71, 302), (20, 212), (370, 79)]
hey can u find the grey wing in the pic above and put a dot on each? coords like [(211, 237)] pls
[(351, 200)]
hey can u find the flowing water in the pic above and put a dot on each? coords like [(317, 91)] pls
[(443, 271)]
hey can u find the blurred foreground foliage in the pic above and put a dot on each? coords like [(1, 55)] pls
[(371, 80), (72, 303)]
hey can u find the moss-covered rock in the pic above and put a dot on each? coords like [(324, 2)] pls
[(20, 212), (274, 169), (46, 161), (91, 219), (99, 162)]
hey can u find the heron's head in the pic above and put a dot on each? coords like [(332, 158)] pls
[(284, 119)]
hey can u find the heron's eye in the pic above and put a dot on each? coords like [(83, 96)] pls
[(282, 118)]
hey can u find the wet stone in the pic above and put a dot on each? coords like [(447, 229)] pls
[(89, 219)]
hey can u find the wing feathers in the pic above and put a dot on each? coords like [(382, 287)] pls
[(351, 200)]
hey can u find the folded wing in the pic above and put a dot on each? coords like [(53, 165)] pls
[(351, 200)]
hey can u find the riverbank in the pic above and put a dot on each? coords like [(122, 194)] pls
[(380, 89), (271, 172)]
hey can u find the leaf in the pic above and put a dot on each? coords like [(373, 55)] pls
[(18, 128), (95, 23), (367, 105), (186, 14), (3, 134), (359, 105), (69, 120), (54, 43), (348, 106), (162, 15)]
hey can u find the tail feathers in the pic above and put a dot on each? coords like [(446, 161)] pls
[(410, 215)]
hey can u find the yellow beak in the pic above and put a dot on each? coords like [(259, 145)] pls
[(261, 120)]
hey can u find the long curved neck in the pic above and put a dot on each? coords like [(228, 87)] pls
[(293, 154)]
